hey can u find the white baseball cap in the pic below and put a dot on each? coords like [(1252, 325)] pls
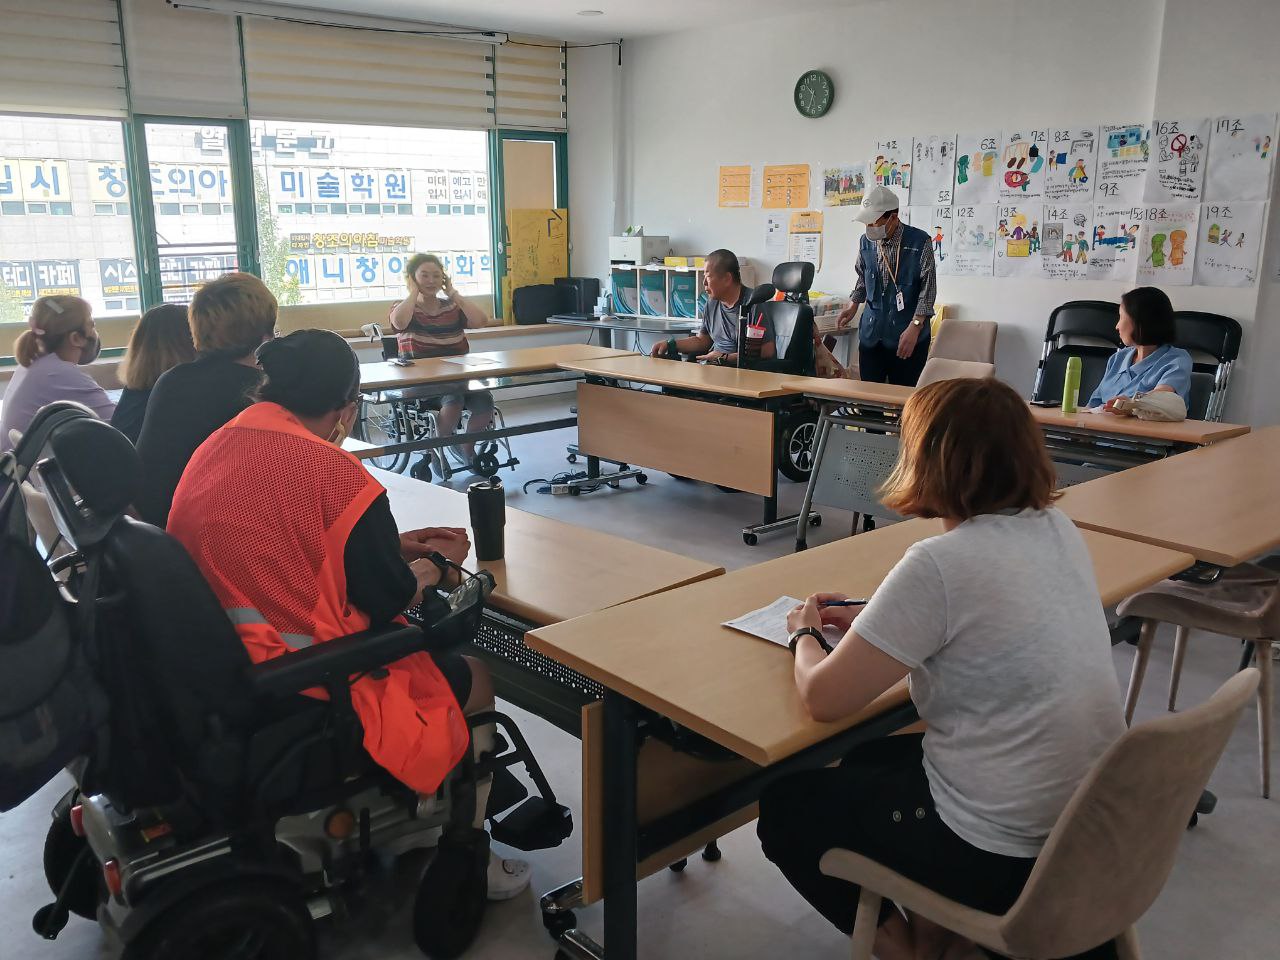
[(877, 202)]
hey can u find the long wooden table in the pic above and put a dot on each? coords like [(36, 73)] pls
[(1218, 503), (667, 655), (718, 424), (385, 375)]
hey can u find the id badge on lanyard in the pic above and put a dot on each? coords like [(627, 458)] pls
[(900, 302)]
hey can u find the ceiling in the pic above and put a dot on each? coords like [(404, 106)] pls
[(560, 18)]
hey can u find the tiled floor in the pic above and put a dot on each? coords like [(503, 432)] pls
[(1218, 904)]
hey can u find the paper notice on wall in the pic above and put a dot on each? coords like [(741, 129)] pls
[(936, 222), (786, 185), (1179, 147), (977, 168), (973, 243), (1022, 167), (933, 169), (737, 185), (1123, 150), (1229, 244), (1241, 152), (844, 185), (1070, 161), (804, 240), (1167, 254), (1116, 234), (775, 236), (1066, 241), (1018, 240), (891, 167)]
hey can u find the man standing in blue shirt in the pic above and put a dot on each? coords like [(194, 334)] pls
[(897, 281)]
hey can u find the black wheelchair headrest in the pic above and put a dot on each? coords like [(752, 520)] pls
[(794, 277), (100, 464)]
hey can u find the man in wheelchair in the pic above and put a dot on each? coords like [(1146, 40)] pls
[(219, 808)]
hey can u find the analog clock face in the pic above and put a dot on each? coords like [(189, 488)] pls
[(814, 93)]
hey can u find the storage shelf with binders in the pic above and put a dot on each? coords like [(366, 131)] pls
[(662, 291)]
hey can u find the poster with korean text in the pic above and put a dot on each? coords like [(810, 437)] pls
[(1229, 243), (1241, 151), (977, 168), (1167, 252), (1022, 166), (933, 169), (1066, 241), (1117, 233), (891, 167), (973, 240), (844, 185), (1018, 240), (936, 222), (1123, 151), (1179, 147), (1071, 158)]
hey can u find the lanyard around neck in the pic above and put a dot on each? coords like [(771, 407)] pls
[(897, 259)]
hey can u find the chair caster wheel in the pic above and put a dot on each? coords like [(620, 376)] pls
[(575, 491), (572, 458), (711, 852), (1195, 819), (815, 520), (558, 924), (750, 539), (679, 865), (614, 484), (642, 478)]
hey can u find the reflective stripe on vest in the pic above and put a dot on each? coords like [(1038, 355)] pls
[(252, 617)]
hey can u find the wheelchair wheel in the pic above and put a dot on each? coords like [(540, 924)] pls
[(795, 444), (247, 920), (382, 423), (452, 896), (64, 865)]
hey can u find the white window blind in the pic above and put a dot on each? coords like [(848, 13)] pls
[(183, 63), (343, 75), (530, 84), (61, 56)]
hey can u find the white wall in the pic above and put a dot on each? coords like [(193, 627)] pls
[(693, 100)]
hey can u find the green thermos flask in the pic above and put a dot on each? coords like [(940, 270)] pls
[(1071, 386)]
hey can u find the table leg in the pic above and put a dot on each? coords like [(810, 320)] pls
[(819, 447), (620, 842), (593, 467)]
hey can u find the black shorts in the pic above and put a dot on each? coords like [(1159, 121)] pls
[(457, 673)]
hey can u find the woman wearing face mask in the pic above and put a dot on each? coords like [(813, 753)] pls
[(298, 541), (61, 338)]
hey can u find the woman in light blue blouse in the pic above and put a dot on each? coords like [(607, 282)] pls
[(1149, 361)]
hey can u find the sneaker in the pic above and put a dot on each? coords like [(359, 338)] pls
[(507, 878)]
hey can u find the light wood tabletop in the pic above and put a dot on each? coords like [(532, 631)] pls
[(841, 388), (701, 377), (669, 652), (552, 571), (385, 375), (1217, 503)]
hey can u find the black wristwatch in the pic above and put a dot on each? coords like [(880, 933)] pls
[(812, 632)]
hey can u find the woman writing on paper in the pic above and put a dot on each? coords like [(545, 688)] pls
[(1000, 626)]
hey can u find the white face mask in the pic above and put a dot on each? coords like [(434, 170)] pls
[(877, 231)]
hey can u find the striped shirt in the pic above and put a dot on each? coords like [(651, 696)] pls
[(442, 334), (928, 274)]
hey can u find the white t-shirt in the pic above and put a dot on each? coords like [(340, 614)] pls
[(1001, 624)]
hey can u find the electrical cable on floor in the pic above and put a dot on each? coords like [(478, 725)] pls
[(559, 484)]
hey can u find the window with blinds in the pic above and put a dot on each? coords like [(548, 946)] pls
[(529, 85), (182, 63), (61, 56)]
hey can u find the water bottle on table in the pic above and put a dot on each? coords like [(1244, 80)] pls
[(1071, 386)]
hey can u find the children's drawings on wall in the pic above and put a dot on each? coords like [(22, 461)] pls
[(936, 222), (973, 240), (1066, 241), (1117, 232), (1229, 242), (1022, 166), (1070, 161), (1178, 153), (1167, 253), (1123, 151), (933, 168), (844, 185), (977, 168), (1018, 240), (1241, 152), (891, 167)]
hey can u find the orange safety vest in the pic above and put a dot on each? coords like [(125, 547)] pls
[(265, 507)]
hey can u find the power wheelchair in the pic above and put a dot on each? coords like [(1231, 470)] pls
[(218, 812)]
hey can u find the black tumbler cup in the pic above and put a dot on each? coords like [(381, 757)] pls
[(488, 505)]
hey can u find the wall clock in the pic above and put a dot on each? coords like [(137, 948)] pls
[(814, 94)]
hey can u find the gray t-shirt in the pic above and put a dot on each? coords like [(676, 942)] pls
[(1001, 624), (720, 323)]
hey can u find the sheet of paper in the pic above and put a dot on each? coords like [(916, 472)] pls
[(891, 167), (973, 240), (775, 236), (1066, 241), (1179, 146), (1018, 240), (1123, 151), (1241, 153), (786, 186), (735, 185), (844, 185), (933, 169), (1116, 236), (1072, 158), (1229, 243), (977, 168), (470, 361), (936, 222), (1022, 165), (770, 623), (804, 237), (1168, 252)]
